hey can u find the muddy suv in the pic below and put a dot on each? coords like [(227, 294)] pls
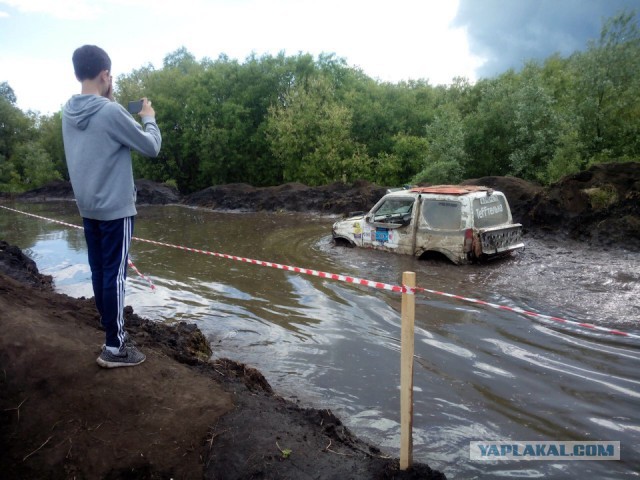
[(463, 223)]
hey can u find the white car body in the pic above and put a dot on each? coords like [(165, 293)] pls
[(463, 223)]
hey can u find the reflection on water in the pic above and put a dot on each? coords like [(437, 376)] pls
[(481, 373)]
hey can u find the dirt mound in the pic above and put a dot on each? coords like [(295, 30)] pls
[(599, 205), (18, 266), (153, 193), (327, 449), (56, 190), (334, 198), (178, 415), (520, 193), (64, 417), (148, 192)]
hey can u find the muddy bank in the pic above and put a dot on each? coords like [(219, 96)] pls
[(18, 266), (178, 415), (600, 205), (296, 197), (148, 192)]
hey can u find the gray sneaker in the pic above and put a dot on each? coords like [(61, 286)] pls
[(129, 356)]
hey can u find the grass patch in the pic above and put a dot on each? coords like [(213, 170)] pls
[(602, 197)]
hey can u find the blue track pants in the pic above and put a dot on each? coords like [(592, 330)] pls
[(108, 248)]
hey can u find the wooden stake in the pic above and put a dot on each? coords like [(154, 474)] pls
[(406, 372)]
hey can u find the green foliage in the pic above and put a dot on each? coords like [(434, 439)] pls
[(171, 183), (607, 88), (9, 177), (285, 452), (445, 155), (309, 134), (7, 93), (602, 197), (536, 126), (34, 165), (16, 127), (407, 157), (411, 151), (440, 172), (566, 159), (18, 146), (489, 128), (277, 118), (50, 139)]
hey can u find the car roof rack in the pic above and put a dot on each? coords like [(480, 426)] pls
[(452, 189)]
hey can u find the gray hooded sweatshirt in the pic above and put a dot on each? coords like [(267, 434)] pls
[(98, 138)]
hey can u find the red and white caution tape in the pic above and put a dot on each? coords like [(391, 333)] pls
[(142, 275), (360, 281), (521, 311), (306, 271)]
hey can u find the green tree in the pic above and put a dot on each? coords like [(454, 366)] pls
[(34, 165), (567, 157), (380, 111), (16, 130), (489, 128), (7, 93), (608, 88), (445, 156), (15, 127), (310, 135), (406, 159), (10, 180), (169, 89), (536, 126), (50, 139)]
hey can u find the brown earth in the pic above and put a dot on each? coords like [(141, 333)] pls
[(296, 197), (178, 415), (600, 205), (148, 192)]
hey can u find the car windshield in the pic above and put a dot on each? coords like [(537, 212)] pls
[(442, 214), (490, 211), (394, 209)]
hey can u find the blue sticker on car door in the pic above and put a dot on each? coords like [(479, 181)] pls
[(382, 235)]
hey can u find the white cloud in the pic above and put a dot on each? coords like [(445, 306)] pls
[(24, 75), (389, 41), (60, 9)]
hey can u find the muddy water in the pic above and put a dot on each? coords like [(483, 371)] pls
[(481, 373)]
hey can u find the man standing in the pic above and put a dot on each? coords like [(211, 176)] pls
[(98, 136)]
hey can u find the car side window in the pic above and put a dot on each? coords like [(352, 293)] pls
[(442, 214), (394, 210)]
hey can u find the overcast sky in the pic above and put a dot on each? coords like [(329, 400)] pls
[(507, 33), (390, 40)]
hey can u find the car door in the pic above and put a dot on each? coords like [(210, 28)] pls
[(442, 227), (389, 226)]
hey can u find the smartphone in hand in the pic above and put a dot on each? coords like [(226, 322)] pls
[(135, 107)]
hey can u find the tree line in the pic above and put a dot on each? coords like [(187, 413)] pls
[(275, 118)]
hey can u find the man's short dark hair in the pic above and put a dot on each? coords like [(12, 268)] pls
[(89, 61)]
